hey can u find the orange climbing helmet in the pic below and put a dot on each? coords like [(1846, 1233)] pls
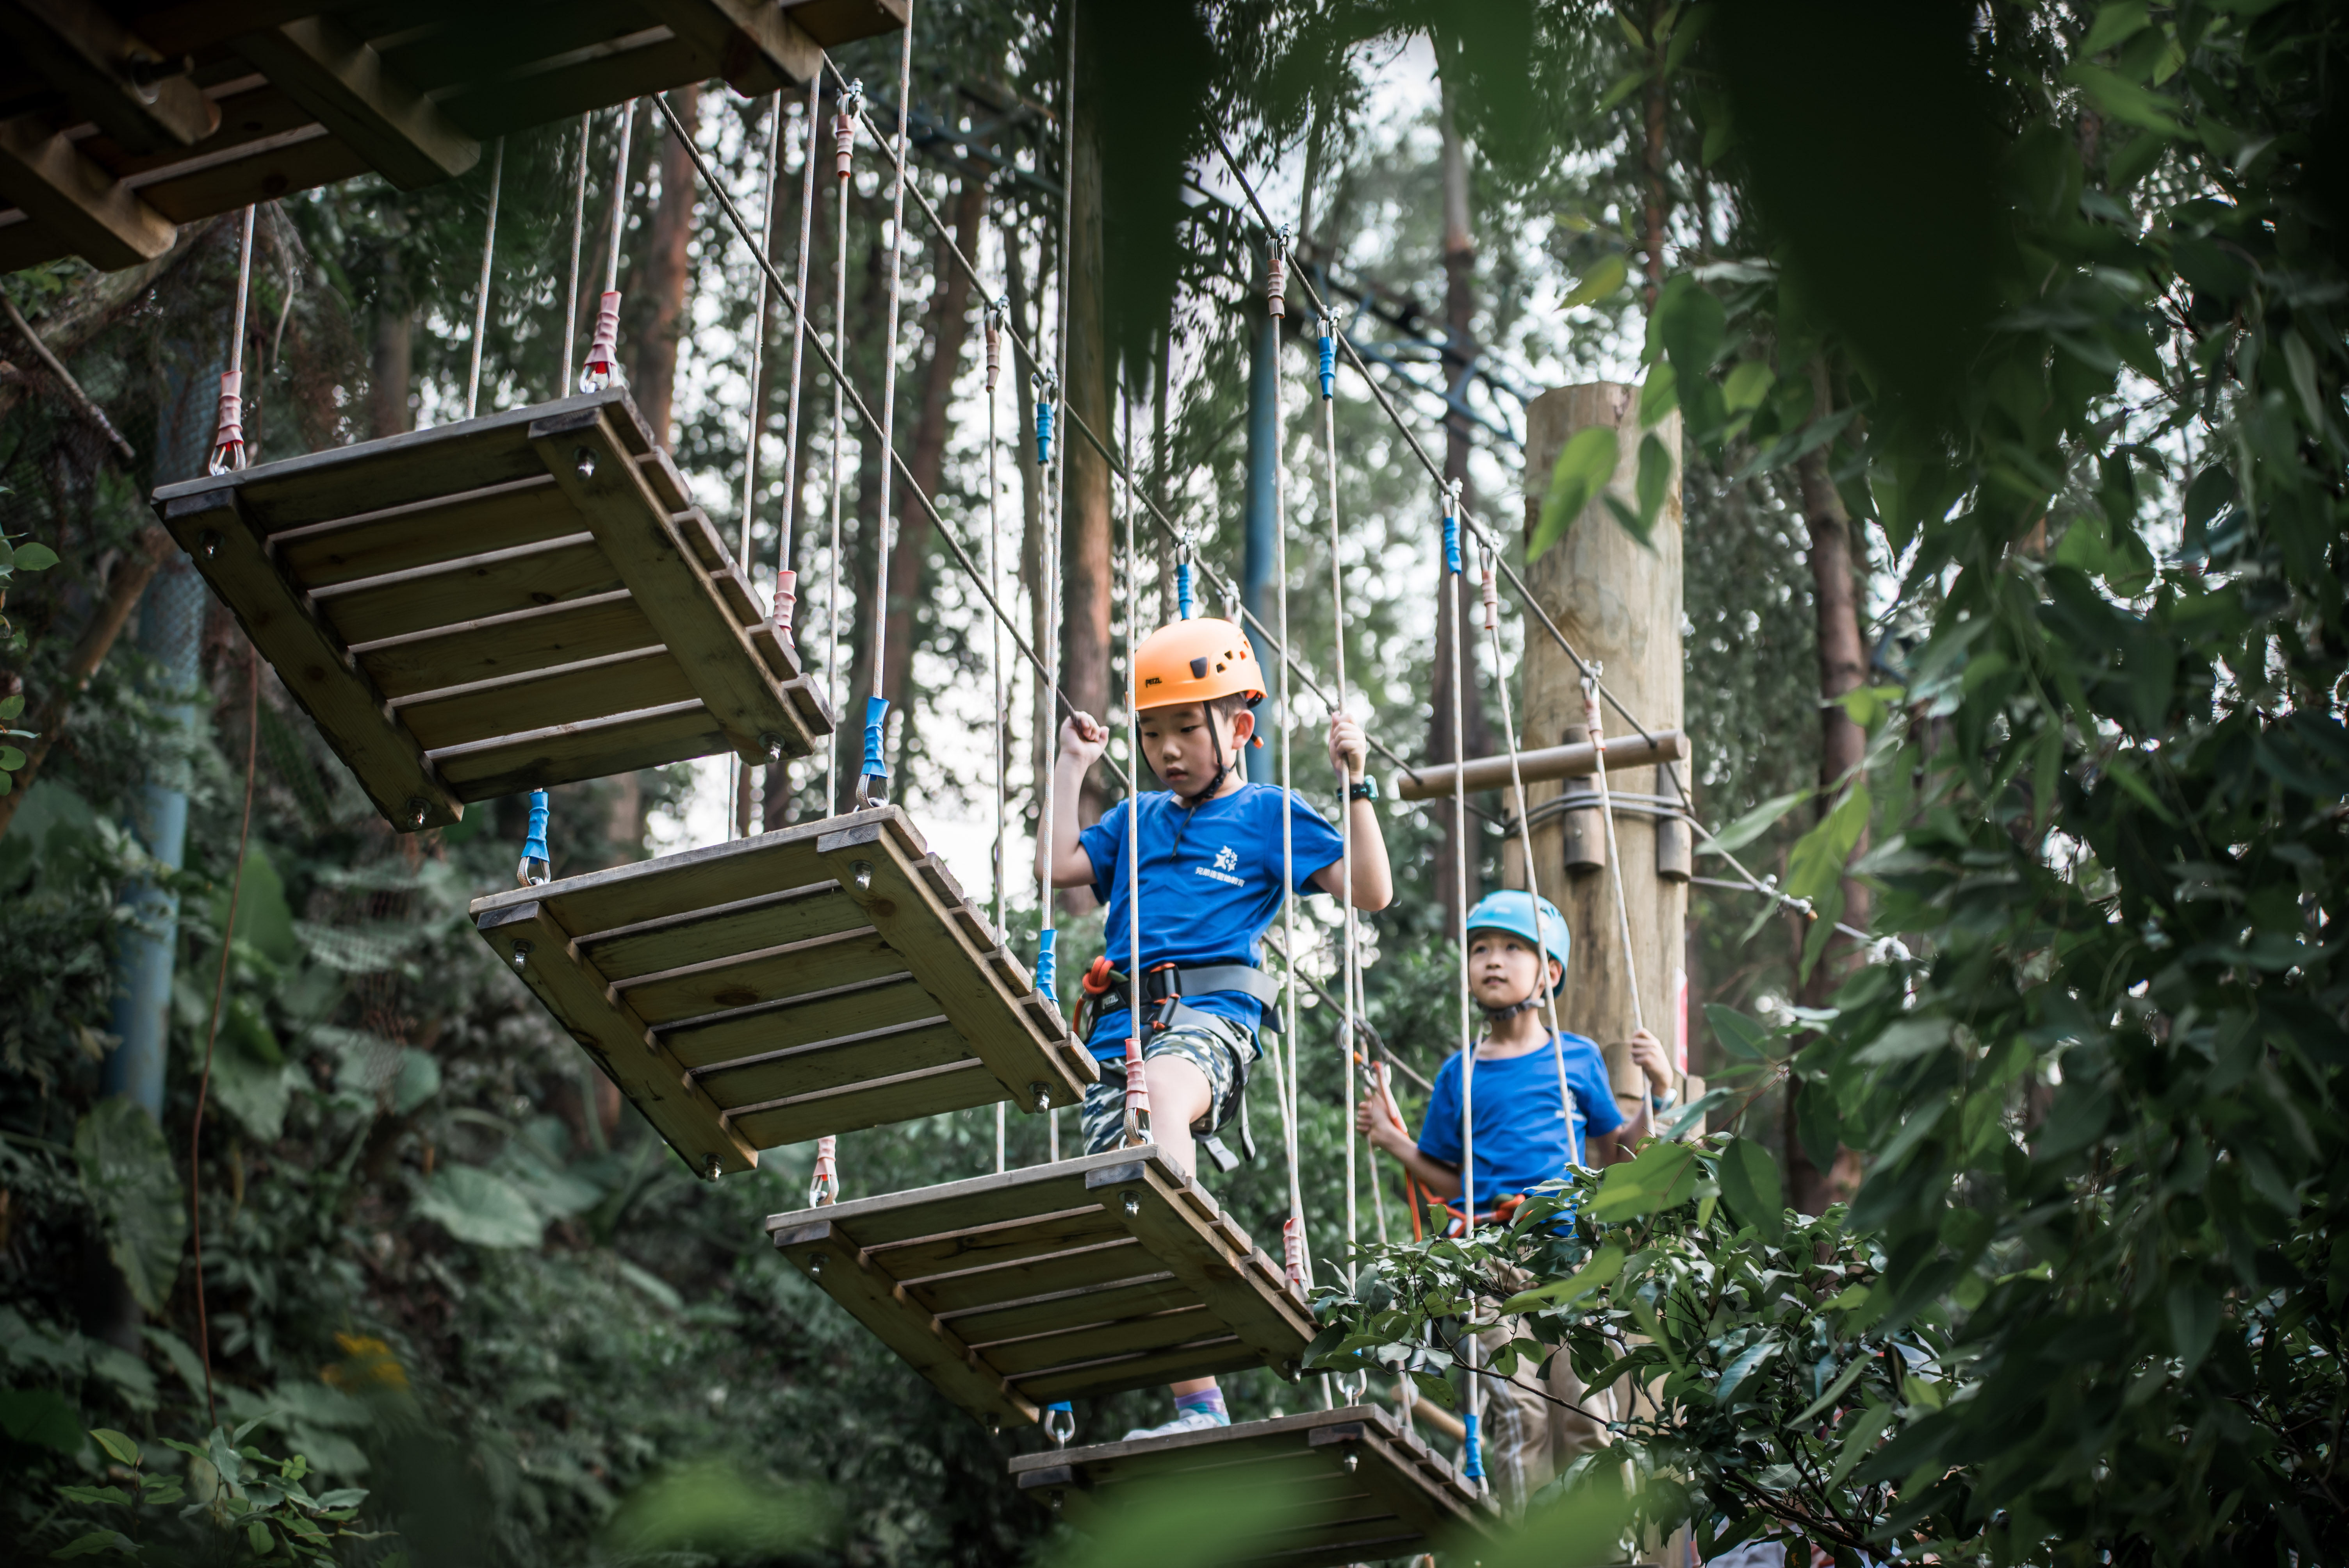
[(1196, 661)]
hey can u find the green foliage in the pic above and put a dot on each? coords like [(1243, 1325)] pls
[(240, 1506), (134, 1185)]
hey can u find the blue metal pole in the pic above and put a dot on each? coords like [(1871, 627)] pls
[(171, 633)]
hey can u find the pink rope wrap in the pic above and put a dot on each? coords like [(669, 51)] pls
[(1276, 281), (823, 1190), (1137, 1097), (994, 352), (604, 350), (1492, 601), (1292, 1245), (228, 437), (844, 143), (1590, 721), (787, 599)]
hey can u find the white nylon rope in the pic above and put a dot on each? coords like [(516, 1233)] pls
[(739, 802), (1350, 968), (993, 316), (786, 580), (889, 380), (571, 282), (1300, 1255), (1054, 485), (481, 292), (1136, 1130), (844, 134), (1457, 584)]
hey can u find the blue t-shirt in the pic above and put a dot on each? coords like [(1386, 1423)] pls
[(1521, 1130), (1210, 887)]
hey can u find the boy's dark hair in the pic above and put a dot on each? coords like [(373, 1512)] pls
[(1228, 705)]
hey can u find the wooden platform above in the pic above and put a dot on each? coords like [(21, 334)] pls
[(816, 979), (1359, 1488), (1113, 1270), (504, 604), (120, 119)]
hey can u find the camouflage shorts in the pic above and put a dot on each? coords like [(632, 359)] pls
[(1218, 1047)]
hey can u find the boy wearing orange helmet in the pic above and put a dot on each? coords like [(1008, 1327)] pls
[(1209, 857)]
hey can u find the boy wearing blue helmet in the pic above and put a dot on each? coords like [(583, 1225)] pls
[(1542, 1102)]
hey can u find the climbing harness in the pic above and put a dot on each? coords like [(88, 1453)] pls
[(481, 290), (228, 436)]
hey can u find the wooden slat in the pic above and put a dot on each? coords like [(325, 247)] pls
[(1014, 1322), (949, 967), (1270, 1319), (788, 993), (538, 759), (957, 1205), (401, 538), (880, 1102), (562, 979), (414, 466), (1091, 1342), (79, 48), (212, 525), (495, 582), (1017, 1238), (534, 639), (842, 1062), (833, 23), (887, 999), (339, 78), (569, 694), (1149, 1369), (689, 882), (66, 194), (582, 451), (789, 915), (1077, 1268), (758, 48)]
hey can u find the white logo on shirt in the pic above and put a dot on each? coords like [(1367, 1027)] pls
[(1225, 860)]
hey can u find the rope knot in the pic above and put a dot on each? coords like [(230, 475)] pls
[(228, 434), (787, 599), (823, 1188), (604, 350), (873, 783), (1276, 275), (1293, 1247), (1137, 1092), (535, 870), (843, 130), (1329, 358), (1045, 964), (994, 323)]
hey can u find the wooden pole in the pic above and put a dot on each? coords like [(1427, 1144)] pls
[(1618, 603)]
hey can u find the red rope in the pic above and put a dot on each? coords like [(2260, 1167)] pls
[(211, 1033)]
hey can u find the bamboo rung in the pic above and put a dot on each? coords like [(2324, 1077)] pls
[(778, 988), (1355, 1486), (506, 604), (1092, 1275)]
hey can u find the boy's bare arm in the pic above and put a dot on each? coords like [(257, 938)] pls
[(1374, 1123), (1060, 857), (1373, 887)]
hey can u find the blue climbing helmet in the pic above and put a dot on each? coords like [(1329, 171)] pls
[(1513, 910)]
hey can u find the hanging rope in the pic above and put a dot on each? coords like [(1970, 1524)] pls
[(1300, 1268), (570, 279), (1525, 848), (992, 320), (228, 431), (1137, 1082), (212, 1029), (787, 579), (481, 290), (1053, 479), (1454, 584), (1614, 856), (873, 780), (755, 421), (843, 156), (1347, 961), (603, 367)]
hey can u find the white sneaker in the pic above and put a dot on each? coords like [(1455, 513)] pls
[(1188, 1421)]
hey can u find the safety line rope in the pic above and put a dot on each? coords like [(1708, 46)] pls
[(601, 367), (1299, 1255), (1137, 1078), (228, 430), (1455, 585), (1614, 855), (844, 144), (786, 577), (1348, 966), (481, 290), (872, 783), (1001, 718), (1054, 481), (571, 278), (738, 812)]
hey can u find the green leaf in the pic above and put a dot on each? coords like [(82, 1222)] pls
[(475, 1206), (1835, 1390), (420, 1080), (1654, 482), (98, 1540), (1733, 1376), (1818, 858), (258, 1534), (1622, 87), (1659, 394), (1582, 471), (35, 558), (41, 1417), (11, 758), (12, 707), (2194, 1312), (1604, 1265), (1691, 325), (2123, 100), (116, 1443), (2115, 23), (1751, 1186), (133, 1182), (1663, 1174), (1606, 275), (1748, 385), (1738, 1034), (1860, 1433), (1753, 824)]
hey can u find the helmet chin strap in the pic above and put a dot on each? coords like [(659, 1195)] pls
[(1495, 1015)]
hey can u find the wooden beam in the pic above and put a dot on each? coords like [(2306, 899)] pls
[(143, 100), (1550, 762), (833, 23), (65, 193), (339, 77), (757, 47), (213, 524)]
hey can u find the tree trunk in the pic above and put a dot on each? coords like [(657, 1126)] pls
[(1843, 666), (1085, 555), (949, 327), (665, 273), (391, 364), (1655, 205), (1459, 356)]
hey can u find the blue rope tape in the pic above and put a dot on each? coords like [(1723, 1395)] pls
[(1062, 1405), (1471, 1453), (1044, 965), (876, 714), (1183, 589), (533, 848), (1452, 543), (1328, 365), (1043, 435)]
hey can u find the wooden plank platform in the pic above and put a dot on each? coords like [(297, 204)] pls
[(503, 605), (99, 159), (1361, 1487), (1112, 1271), (817, 979)]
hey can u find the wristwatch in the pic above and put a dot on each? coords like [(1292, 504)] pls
[(1659, 1103), (1368, 789)]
